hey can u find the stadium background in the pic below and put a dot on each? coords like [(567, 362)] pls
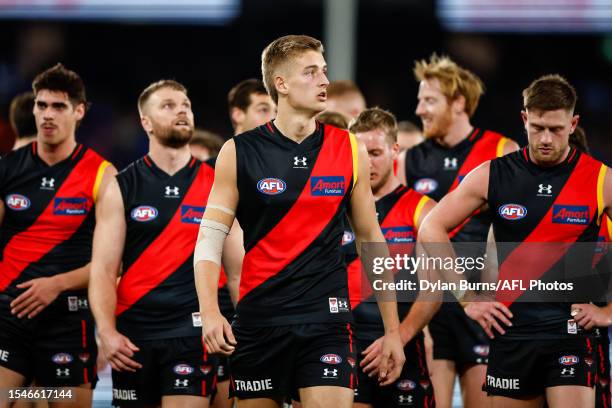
[(209, 45)]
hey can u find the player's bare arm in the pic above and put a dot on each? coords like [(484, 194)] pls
[(364, 223), (216, 223), (108, 244), (451, 211), (40, 292), (588, 315), (233, 253), (417, 318)]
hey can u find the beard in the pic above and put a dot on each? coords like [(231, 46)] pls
[(171, 137), (552, 158), (439, 126)]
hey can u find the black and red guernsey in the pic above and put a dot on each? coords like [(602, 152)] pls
[(435, 170), (398, 213), (538, 222), (293, 199), (156, 296), (49, 214)]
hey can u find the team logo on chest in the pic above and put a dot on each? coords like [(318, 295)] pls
[(570, 214), (327, 186), (271, 186), (398, 235), (144, 213), (512, 212), (426, 185), (70, 206), (17, 202), (347, 237)]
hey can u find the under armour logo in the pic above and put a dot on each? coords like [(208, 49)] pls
[(544, 189), (181, 383), (48, 183), (404, 399), (342, 303), (568, 371), (172, 191), (330, 372), (299, 161), (62, 372), (450, 163)]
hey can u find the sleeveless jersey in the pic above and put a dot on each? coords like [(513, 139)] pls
[(293, 199), (435, 170), (49, 214), (156, 297), (561, 205), (398, 213)]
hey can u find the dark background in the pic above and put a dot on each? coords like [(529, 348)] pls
[(118, 60)]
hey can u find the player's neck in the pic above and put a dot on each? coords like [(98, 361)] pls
[(296, 125), (169, 159), (390, 185), (22, 141), (52, 154), (458, 131)]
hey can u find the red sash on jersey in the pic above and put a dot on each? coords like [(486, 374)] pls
[(402, 214), (172, 248), (44, 234), (486, 148), (308, 216), (530, 260)]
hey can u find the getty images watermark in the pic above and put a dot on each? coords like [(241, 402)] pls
[(524, 272)]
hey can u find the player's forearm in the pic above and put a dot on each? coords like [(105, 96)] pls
[(419, 316), (377, 247), (103, 299), (74, 279), (207, 284)]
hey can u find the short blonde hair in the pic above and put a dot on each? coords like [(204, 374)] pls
[(279, 51), (454, 80)]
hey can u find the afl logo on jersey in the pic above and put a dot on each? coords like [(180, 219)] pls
[(144, 213), (17, 202), (62, 358), (271, 186), (406, 385), (426, 185), (512, 212), (347, 237)]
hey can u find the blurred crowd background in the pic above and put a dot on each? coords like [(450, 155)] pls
[(120, 46)]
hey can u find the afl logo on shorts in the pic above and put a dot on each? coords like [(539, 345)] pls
[(183, 369), (331, 359), (426, 185), (512, 212), (406, 385), (62, 358), (17, 202), (144, 213), (271, 186), (569, 360)]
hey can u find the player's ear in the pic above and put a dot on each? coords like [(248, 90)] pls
[(525, 118), (458, 104), (146, 123), (237, 115), (575, 120), (79, 109), (282, 88)]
